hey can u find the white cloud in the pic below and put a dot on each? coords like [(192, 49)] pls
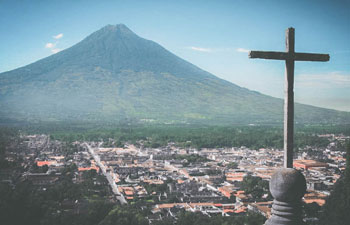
[(328, 80), (50, 45), (55, 50), (58, 36), (242, 50), (199, 49), (216, 50)]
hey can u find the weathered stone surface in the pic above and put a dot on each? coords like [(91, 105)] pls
[(287, 186)]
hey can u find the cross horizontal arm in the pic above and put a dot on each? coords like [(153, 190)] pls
[(285, 55), (311, 57), (268, 55)]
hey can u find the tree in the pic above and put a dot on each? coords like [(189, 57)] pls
[(190, 218), (232, 165), (255, 186), (124, 215), (39, 169), (337, 207)]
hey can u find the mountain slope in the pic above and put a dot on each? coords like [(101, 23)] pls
[(114, 74)]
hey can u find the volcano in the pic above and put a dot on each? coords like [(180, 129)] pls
[(114, 74)]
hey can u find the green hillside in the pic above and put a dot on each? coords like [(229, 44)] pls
[(114, 74)]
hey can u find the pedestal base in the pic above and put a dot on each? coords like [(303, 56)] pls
[(284, 213), (287, 186)]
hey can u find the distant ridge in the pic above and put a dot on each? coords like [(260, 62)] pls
[(114, 74)]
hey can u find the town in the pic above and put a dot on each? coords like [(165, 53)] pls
[(170, 179)]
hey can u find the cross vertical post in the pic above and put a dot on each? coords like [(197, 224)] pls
[(289, 56), (289, 100)]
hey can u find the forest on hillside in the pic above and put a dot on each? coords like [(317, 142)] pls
[(253, 137)]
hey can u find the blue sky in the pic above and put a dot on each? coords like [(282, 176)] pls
[(214, 35)]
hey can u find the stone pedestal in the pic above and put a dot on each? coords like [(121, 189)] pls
[(287, 187)]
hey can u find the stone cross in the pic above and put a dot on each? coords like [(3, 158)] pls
[(287, 185), (290, 56)]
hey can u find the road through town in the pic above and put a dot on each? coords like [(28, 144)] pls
[(110, 176)]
